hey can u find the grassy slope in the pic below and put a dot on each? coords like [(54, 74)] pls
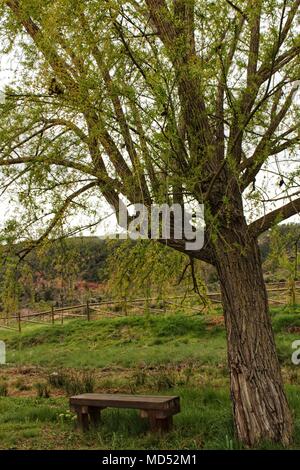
[(171, 355), (123, 341)]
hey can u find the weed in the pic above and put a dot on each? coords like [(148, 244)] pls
[(42, 390), (21, 385), (164, 382), (3, 390), (139, 378), (73, 383), (57, 379), (67, 417)]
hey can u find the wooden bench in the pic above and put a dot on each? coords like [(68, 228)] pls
[(158, 409)]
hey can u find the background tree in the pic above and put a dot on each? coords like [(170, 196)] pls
[(10, 287), (167, 101), (283, 257)]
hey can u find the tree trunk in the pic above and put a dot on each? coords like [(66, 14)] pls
[(260, 407)]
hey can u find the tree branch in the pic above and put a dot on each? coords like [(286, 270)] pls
[(254, 163), (53, 161), (59, 66), (238, 9), (272, 218), (57, 218)]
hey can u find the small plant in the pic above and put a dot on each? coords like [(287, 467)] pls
[(88, 382), (188, 373), (293, 378), (42, 390), (67, 417), (3, 390), (21, 385), (140, 378), (77, 383), (164, 382), (228, 443), (57, 379), (73, 383), (117, 308)]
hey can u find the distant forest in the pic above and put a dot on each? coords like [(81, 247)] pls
[(75, 269)]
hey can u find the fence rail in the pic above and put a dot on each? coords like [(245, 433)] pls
[(120, 307)]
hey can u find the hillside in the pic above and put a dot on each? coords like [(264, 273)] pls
[(76, 269), (172, 354)]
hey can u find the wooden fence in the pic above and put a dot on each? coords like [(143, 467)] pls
[(280, 294)]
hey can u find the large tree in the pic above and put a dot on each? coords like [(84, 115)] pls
[(165, 101)]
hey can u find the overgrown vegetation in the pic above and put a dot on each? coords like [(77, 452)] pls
[(178, 354)]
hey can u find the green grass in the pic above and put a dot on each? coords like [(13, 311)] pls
[(117, 342), (205, 422), (128, 341), (167, 354)]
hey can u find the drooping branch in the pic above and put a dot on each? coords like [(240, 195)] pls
[(83, 168), (57, 218), (124, 128)]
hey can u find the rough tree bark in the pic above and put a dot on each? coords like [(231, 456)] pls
[(260, 407)]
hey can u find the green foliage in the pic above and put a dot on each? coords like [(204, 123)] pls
[(283, 248), (42, 390), (3, 389), (10, 286), (50, 273), (149, 269)]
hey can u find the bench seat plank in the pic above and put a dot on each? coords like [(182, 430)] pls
[(143, 402)]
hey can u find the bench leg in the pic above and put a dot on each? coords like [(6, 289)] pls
[(95, 415), (82, 418), (166, 424), (160, 425)]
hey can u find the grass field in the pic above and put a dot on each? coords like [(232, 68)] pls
[(171, 354)]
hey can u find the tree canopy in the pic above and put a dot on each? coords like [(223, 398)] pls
[(159, 101)]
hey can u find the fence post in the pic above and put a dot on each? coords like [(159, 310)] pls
[(292, 292), (52, 314), (62, 316), (19, 322), (88, 310), (124, 306)]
